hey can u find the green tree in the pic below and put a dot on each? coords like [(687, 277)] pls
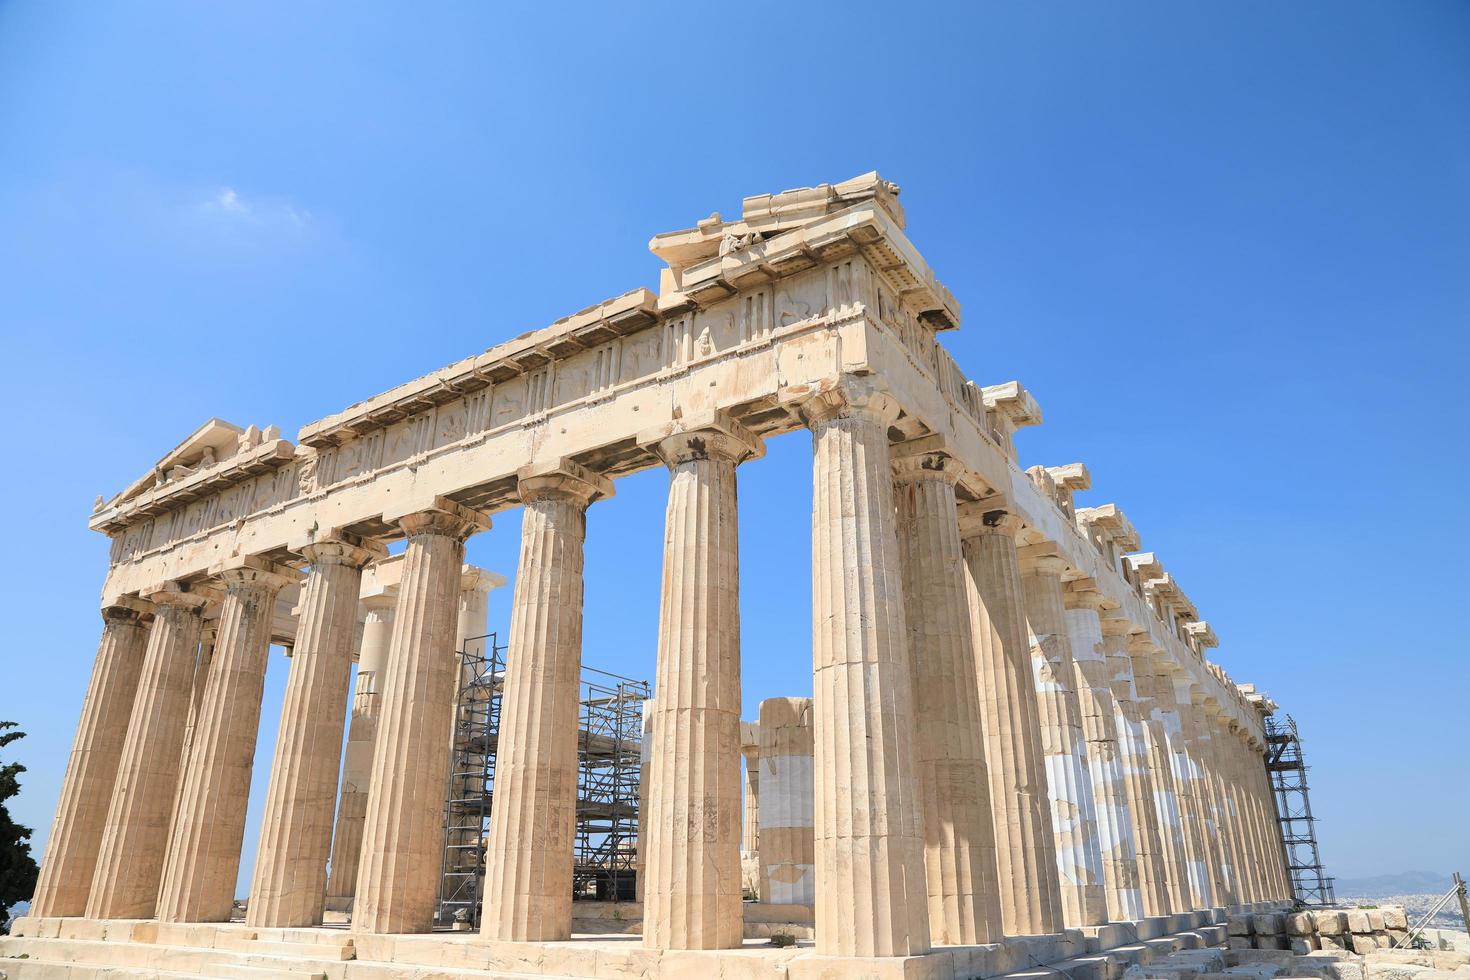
[(17, 868)]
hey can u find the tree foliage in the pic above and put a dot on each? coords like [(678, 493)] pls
[(17, 867)]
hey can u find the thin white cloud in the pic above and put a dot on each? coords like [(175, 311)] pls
[(227, 204)]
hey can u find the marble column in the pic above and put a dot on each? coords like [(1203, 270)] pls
[(788, 843), (403, 828), (1094, 682), (1134, 762), (954, 792), (1025, 848), (296, 831), (528, 880), (1195, 728), (1218, 728), (1166, 797), (357, 762), (692, 897), (1166, 710), (750, 751), (475, 586), (198, 883), (871, 897), (135, 836), (207, 637), (1069, 780), (81, 813), (1243, 823)]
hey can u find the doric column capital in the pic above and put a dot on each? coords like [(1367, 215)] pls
[(255, 574), (562, 478), (127, 611), (340, 548), (1085, 598), (750, 742), (1043, 565), (988, 518), (1116, 626), (473, 578), (851, 396), (178, 596), (703, 435), (1203, 633), (922, 466), (445, 518)]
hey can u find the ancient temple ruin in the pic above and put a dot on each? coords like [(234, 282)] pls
[(1016, 751)]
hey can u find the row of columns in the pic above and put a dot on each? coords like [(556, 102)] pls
[(990, 756)]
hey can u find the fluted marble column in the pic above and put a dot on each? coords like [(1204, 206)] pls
[(207, 636), (1196, 735), (692, 898), (959, 839), (1166, 711), (403, 829), (1217, 727), (787, 809), (1025, 848), (1069, 780), (135, 836), (203, 860), (357, 762), (1094, 683), (1166, 796), (81, 812), (871, 897), (290, 877), (1242, 821), (750, 750), (528, 879), (1135, 765)]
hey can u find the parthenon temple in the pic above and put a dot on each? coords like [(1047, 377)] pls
[(1016, 751)]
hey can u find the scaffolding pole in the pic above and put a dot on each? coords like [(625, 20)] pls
[(609, 754), (1287, 769)]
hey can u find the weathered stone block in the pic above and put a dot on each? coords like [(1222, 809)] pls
[(1268, 923), (1363, 943), (1299, 924), (1330, 923), (1240, 925), (1302, 945), (1239, 942), (1375, 919), (1357, 921)]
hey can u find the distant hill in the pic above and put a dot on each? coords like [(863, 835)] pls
[(1403, 883)]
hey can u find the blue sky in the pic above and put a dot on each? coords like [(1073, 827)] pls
[(1224, 244)]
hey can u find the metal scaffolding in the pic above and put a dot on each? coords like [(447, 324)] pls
[(609, 761), (1288, 771), (471, 779), (609, 746)]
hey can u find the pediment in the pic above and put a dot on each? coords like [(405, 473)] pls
[(208, 446)]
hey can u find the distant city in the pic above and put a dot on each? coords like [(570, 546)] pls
[(1416, 891)]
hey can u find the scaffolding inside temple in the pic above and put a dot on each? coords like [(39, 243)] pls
[(609, 746), (1288, 771), (609, 749)]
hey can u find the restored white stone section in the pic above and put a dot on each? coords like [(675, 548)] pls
[(1134, 763), (528, 881), (135, 836), (1116, 844), (1069, 778), (1025, 847), (870, 843), (403, 829), (959, 841), (86, 791), (290, 874), (692, 897), (787, 803), (1166, 799), (1166, 712)]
